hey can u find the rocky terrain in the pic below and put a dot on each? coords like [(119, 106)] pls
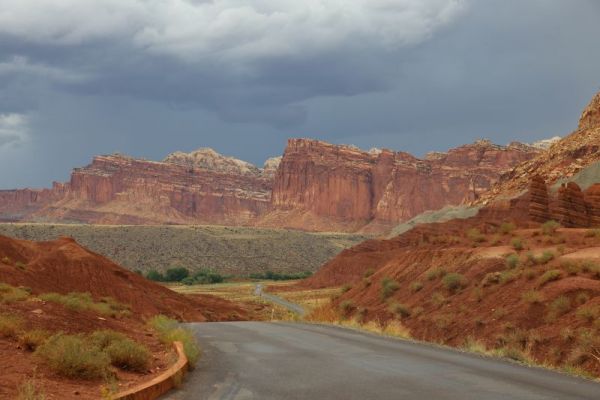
[(315, 186), (520, 279)]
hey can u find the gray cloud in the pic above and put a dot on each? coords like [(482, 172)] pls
[(150, 77)]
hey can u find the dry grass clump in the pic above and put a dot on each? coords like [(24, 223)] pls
[(435, 273), (532, 297), (75, 356), (416, 286), (31, 340), (595, 233), (346, 307), (454, 281), (77, 301), (559, 307), (169, 331), (11, 294), (388, 287), (475, 235), (401, 310), (512, 261), (549, 276), (10, 325), (90, 356), (549, 228), (29, 390), (517, 244), (589, 313)]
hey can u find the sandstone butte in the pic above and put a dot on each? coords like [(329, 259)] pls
[(315, 186)]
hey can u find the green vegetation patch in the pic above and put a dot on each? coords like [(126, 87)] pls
[(78, 301), (169, 331)]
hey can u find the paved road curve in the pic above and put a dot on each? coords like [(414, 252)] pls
[(287, 361)]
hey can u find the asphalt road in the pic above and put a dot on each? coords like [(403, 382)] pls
[(295, 308), (257, 360)]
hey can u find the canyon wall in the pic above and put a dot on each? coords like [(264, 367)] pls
[(315, 186), (331, 187)]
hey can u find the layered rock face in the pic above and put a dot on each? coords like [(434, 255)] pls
[(202, 188), (570, 206), (539, 210), (340, 186), (563, 159), (314, 186)]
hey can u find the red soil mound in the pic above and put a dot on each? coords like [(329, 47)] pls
[(449, 283), (63, 266)]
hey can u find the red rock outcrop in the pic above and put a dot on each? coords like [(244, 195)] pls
[(342, 186), (571, 209), (314, 186), (539, 210), (561, 161)]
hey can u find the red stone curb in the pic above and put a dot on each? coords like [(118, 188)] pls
[(160, 385)]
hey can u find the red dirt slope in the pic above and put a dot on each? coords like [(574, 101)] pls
[(64, 266)]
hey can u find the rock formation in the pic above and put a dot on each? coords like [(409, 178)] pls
[(562, 160), (571, 210), (314, 186), (538, 200), (341, 186)]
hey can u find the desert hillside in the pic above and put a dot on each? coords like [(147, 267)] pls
[(227, 250)]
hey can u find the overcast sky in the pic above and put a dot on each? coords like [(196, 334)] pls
[(149, 77)]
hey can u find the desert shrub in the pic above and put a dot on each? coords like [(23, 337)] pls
[(10, 325), (20, 265), (560, 306), (549, 228), (77, 301), (438, 299), (346, 306), (549, 276), (346, 288), (74, 356), (170, 332), (507, 276), (491, 278), (6, 260), (416, 286), (369, 272), (593, 233), (29, 390), (571, 267), (474, 345), (128, 354), (475, 235), (388, 287), (532, 296), (517, 244), (529, 274), (154, 275), (589, 313), (512, 261), (401, 310), (176, 274), (11, 294), (33, 339), (507, 228), (582, 298), (567, 334), (277, 276), (454, 281), (435, 273), (545, 258)]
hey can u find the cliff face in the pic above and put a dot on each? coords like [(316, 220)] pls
[(314, 186), (338, 186), (119, 189), (563, 159)]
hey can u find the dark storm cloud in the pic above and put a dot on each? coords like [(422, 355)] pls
[(84, 77)]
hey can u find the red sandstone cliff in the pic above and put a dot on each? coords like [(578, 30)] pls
[(321, 186), (314, 186)]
